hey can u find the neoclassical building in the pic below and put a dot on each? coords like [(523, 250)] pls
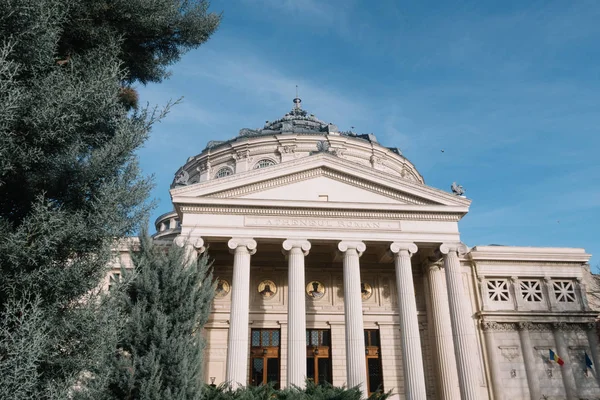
[(336, 262)]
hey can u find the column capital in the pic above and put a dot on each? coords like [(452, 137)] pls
[(196, 242), (344, 246), (397, 247), (302, 244), (524, 326), (433, 266), (249, 243), (459, 248)]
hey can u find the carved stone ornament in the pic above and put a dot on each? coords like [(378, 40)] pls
[(366, 291), (287, 149), (496, 326), (315, 290), (267, 289), (197, 243), (223, 288), (509, 352), (525, 326), (182, 178)]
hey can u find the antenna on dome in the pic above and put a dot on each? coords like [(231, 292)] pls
[(297, 100)]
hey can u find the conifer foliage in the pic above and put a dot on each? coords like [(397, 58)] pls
[(167, 302), (69, 181)]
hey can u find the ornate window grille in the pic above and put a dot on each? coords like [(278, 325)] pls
[(564, 291), (498, 290), (531, 290), (265, 162), (225, 171)]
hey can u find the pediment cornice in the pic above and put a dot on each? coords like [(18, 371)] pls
[(312, 212), (404, 191)]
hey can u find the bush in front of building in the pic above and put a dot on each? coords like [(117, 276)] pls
[(312, 391), (166, 299)]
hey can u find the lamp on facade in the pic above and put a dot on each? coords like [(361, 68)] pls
[(212, 381)]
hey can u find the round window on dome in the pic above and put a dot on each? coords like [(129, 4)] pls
[(264, 163), (225, 171)]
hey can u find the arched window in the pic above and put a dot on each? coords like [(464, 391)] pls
[(265, 162), (225, 171)]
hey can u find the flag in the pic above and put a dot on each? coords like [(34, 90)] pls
[(555, 357), (588, 361)]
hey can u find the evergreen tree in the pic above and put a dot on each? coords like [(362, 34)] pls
[(69, 181), (167, 302)]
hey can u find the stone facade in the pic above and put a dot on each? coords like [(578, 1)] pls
[(343, 234)]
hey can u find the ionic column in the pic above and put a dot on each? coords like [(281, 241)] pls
[(529, 358), (445, 362), (412, 359), (462, 324), (356, 367), (296, 250), (563, 352), (592, 335), (237, 342), (192, 246)]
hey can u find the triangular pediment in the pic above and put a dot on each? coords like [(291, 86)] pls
[(319, 178)]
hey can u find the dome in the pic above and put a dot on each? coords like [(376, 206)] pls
[(295, 135)]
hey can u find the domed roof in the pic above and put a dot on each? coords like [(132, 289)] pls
[(296, 121)]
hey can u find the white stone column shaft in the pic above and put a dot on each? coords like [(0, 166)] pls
[(296, 250), (237, 342), (492, 351), (563, 352), (445, 362), (356, 366), (529, 358), (462, 324), (412, 359), (592, 335)]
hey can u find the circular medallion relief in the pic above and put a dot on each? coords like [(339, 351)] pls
[(267, 289), (315, 290), (366, 291), (223, 288)]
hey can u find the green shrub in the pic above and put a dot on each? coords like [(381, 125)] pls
[(268, 392)]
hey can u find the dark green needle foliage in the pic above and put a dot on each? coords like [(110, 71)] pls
[(69, 180), (312, 391), (167, 301)]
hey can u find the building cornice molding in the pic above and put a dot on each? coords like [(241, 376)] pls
[(337, 168), (512, 254), (318, 213)]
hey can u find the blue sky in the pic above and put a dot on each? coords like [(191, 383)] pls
[(509, 90)]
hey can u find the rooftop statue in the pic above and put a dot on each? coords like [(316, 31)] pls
[(457, 189)]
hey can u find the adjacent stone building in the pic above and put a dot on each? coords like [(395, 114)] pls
[(335, 261)]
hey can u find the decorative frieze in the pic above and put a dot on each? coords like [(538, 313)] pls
[(536, 327), (327, 213), (322, 223)]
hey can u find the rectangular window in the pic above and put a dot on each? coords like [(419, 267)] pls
[(531, 290), (318, 355), (114, 279), (372, 352), (498, 289), (564, 291), (264, 367)]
